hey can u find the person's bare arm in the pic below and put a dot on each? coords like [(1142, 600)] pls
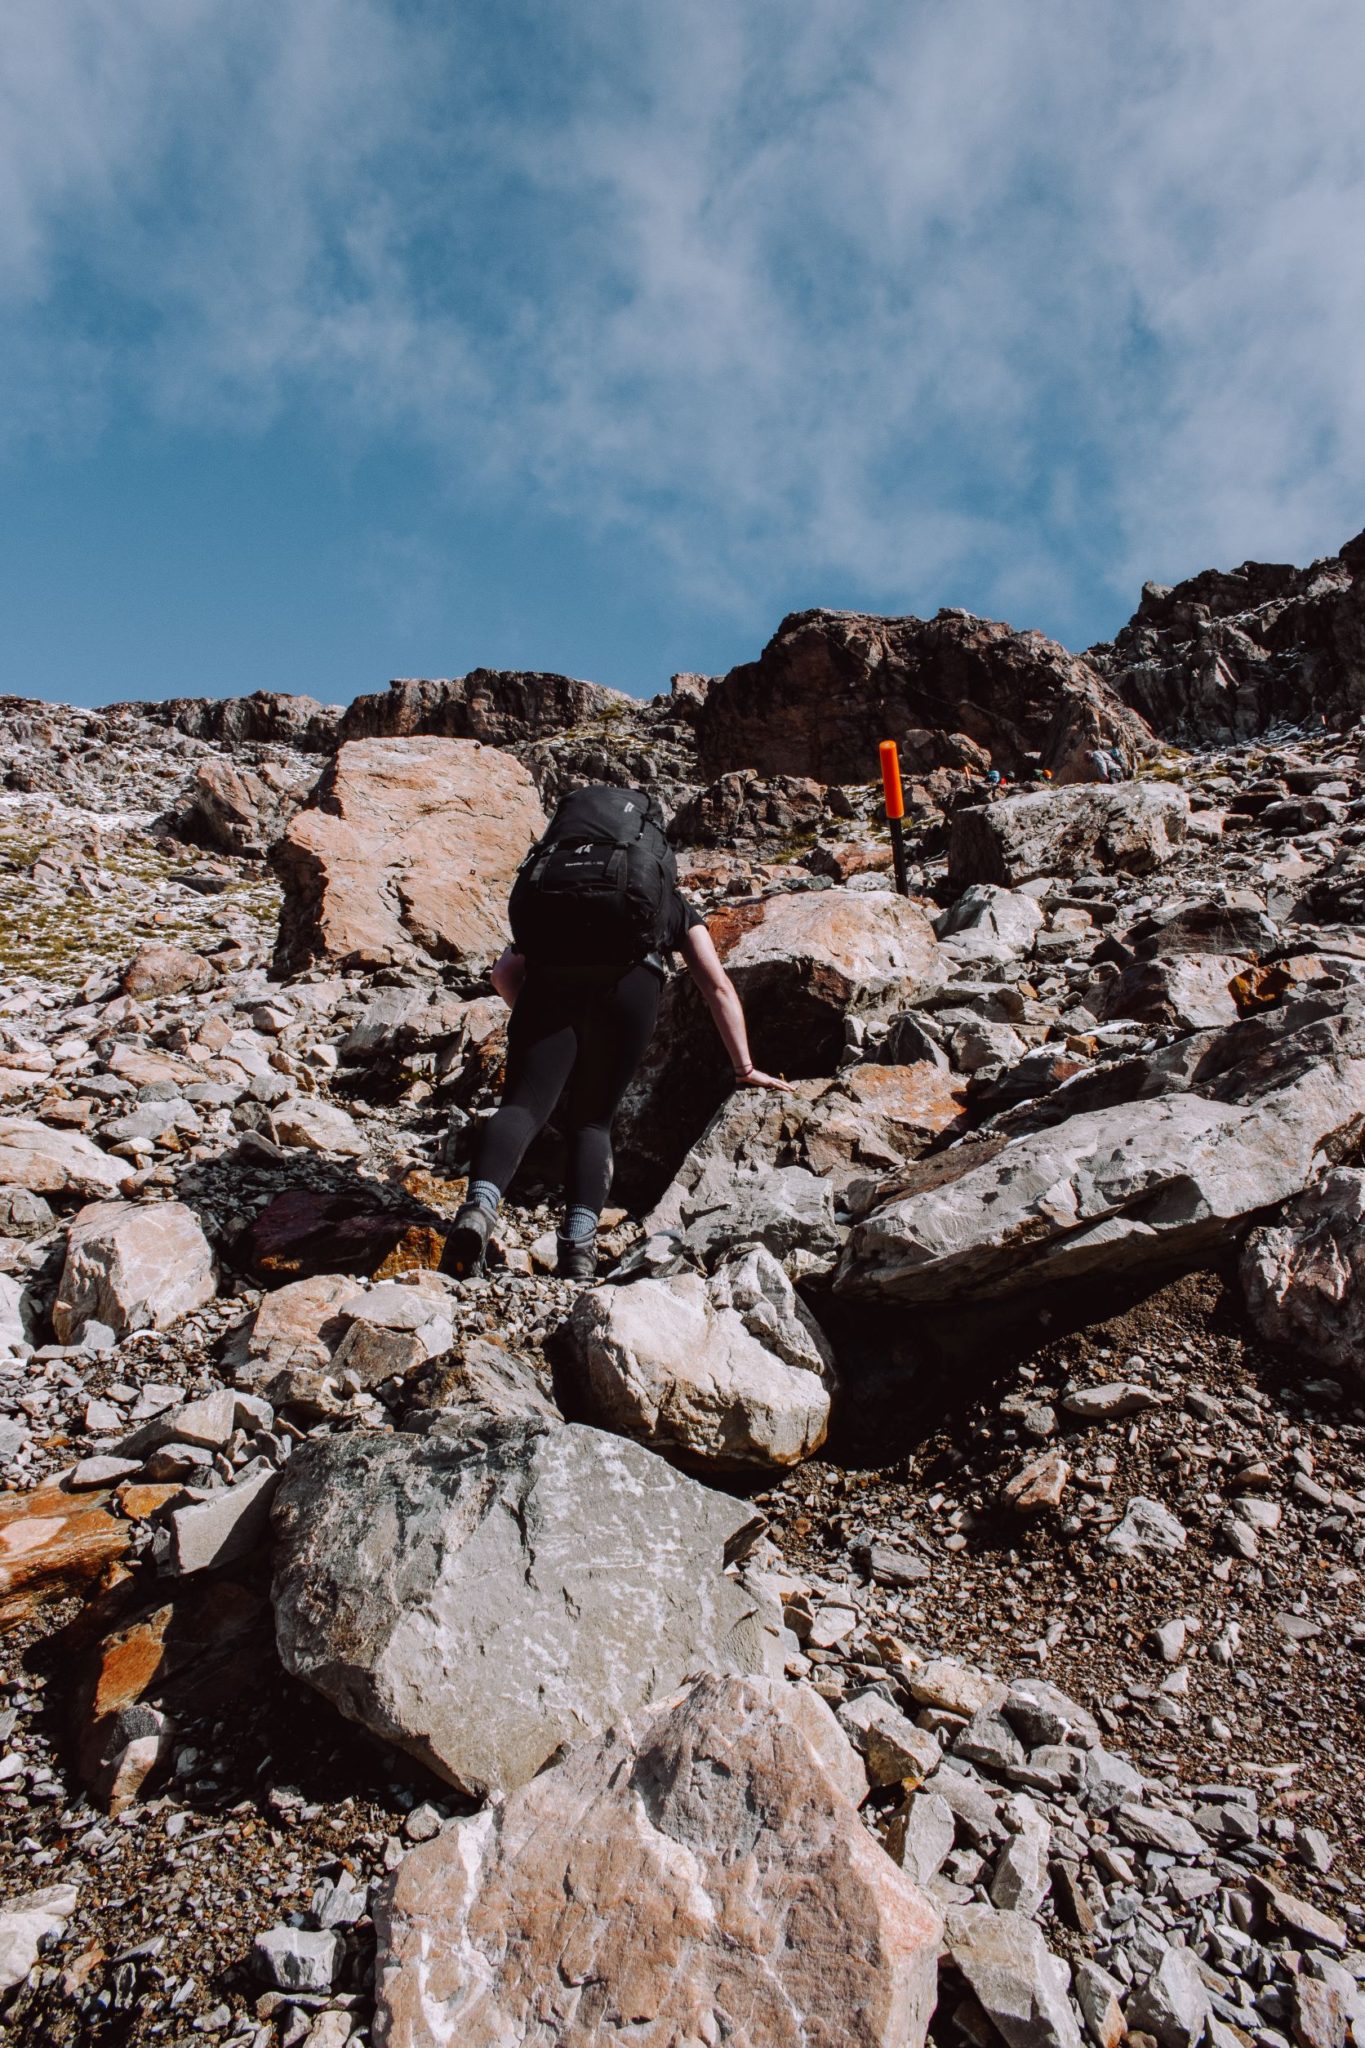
[(727, 1012), (508, 975)]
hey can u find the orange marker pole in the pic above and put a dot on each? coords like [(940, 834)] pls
[(895, 811)]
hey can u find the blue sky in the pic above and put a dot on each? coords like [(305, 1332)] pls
[(342, 339)]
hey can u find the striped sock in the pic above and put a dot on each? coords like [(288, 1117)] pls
[(580, 1225), (484, 1194)]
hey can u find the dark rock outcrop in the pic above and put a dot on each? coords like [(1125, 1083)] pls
[(1163, 1177), (747, 808), (243, 810), (830, 685), (267, 717), (1231, 652), (499, 706)]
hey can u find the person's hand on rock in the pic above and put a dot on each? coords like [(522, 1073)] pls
[(754, 1077)]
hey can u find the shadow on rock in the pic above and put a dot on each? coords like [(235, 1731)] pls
[(332, 1219), (902, 1377)]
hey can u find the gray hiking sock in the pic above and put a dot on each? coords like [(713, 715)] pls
[(579, 1226), (484, 1194)]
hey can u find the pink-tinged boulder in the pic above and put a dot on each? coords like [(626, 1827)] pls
[(853, 951), (1303, 1276), (802, 962), (133, 1268), (47, 1161), (299, 1325), (160, 970), (725, 1372), (698, 1875), (405, 854)]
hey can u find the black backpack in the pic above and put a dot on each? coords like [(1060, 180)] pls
[(594, 891)]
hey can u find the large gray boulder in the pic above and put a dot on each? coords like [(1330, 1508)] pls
[(1303, 1276), (1083, 829), (1245, 1062), (1115, 1189), (697, 1875), (1190, 992), (986, 912), (482, 1603), (727, 1371), (788, 1210)]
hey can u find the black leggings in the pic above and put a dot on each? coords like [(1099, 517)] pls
[(593, 1038)]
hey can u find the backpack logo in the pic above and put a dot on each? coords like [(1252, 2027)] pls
[(595, 889)]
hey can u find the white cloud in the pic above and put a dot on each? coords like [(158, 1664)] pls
[(920, 301)]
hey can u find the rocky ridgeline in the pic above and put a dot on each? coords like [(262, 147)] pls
[(917, 1590)]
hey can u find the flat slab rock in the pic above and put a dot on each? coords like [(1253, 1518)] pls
[(54, 1543), (44, 1161), (699, 1875), (482, 1603), (1107, 1190)]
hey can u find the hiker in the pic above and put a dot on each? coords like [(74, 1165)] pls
[(1106, 764), (596, 914)]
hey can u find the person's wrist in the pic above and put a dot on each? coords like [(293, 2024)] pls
[(743, 1073)]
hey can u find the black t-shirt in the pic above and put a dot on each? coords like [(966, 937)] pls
[(679, 918)]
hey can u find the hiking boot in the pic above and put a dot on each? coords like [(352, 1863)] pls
[(464, 1250), (577, 1258)]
